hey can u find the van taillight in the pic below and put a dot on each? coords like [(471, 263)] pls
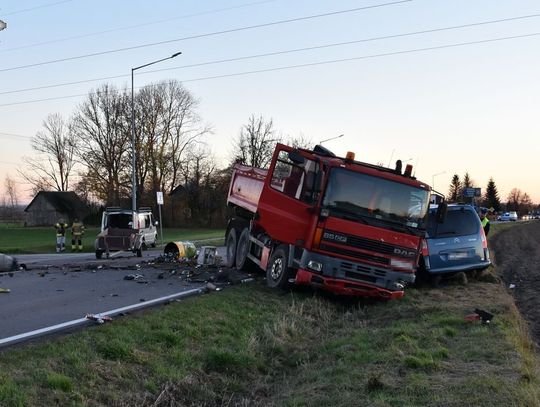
[(484, 240)]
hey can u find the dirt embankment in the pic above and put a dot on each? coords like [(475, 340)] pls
[(517, 257)]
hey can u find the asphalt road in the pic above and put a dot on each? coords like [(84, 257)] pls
[(58, 288)]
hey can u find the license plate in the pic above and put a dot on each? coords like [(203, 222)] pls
[(457, 256)]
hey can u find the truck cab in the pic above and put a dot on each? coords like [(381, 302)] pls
[(336, 223)]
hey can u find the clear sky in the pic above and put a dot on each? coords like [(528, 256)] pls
[(449, 110)]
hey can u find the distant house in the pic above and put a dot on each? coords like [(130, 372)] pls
[(48, 207)]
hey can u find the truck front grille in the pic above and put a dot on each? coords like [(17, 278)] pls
[(361, 272), (355, 254)]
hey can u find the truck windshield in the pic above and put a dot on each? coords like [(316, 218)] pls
[(373, 200)]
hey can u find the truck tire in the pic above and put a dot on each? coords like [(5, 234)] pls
[(139, 252), (99, 254), (242, 262), (277, 271), (230, 247)]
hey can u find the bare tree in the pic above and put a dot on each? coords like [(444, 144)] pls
[(256, 142), (300, 141), (518, 201), (54, 164), (101, 124), (169, 124), (11, 198)]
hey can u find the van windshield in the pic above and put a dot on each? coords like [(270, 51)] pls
[(119, 220), (459, 222)]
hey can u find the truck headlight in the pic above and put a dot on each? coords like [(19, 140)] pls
[(402, 264), (314, 265)]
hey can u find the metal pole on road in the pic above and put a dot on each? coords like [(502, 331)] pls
[(133, 149)]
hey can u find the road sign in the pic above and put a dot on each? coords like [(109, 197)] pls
[(472, 192), (159, 196)]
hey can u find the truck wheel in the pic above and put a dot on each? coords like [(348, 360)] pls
[(230, 246), (139, 252), (242, 261), (277, 271), (99, 254)]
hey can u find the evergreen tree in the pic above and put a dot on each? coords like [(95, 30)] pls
[(455, 189), (466, 183), (491, 198)]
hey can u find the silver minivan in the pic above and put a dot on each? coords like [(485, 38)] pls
[(124, 229)]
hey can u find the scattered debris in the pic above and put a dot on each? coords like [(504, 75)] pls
[(180, 250), (4, 290), (207, 256), (213, 287), (100, 319), (133, 277), (480, 315), (512, 286)]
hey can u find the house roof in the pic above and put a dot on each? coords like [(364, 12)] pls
[(64, 202)]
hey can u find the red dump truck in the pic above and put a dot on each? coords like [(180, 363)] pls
[(313, 218)]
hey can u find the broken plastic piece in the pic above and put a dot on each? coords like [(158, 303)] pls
[(100, 319), (512, 286)]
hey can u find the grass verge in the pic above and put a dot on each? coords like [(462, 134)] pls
[(21, 240), (249, 345)]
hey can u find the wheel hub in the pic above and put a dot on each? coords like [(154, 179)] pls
[(277, 269)]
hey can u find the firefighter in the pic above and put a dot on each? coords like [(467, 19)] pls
[(60, 235), (77, 232)]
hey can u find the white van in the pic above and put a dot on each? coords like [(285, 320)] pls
[(124, 229)]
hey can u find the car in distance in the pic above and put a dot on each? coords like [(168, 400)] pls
[(508, 216), (457, 244)]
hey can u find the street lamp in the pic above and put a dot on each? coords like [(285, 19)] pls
[(433, 178), (133, 158), (332, 138)]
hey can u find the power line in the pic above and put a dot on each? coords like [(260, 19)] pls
[(129, 27), (333, 61), (278, 53), (2, 134), (36, 8), (250, 27)]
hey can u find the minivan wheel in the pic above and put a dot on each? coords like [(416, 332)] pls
[(99, 254)]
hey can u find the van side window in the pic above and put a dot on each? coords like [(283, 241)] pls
[(295, 180)]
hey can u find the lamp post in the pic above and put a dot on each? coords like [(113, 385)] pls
[(433, 178), (133, 158), (331, 138)]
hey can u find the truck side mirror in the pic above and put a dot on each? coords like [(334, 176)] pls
[(442, 209), (296, 157)]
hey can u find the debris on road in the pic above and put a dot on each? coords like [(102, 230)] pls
[(180, 250), (100, 319), (8, 263), (4, 290), (207, 256)]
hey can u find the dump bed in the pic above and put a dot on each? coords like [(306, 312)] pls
[(246, 186)]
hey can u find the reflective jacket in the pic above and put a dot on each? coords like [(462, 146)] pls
[(77, 229), (61, 229)]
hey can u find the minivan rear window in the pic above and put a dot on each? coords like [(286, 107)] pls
[(458, 223)]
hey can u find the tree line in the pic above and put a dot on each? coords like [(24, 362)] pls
[(516, 200), (91, 153)]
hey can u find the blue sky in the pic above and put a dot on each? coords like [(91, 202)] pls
[(466, 108)]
